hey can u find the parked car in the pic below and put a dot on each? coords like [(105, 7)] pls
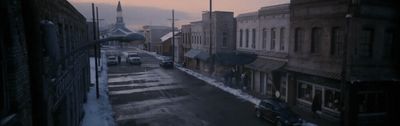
[(112, 60), (166, 63), (277, 112), (133, 58)]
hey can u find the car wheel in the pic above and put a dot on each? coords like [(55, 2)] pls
[(258, 113), (278, 123)]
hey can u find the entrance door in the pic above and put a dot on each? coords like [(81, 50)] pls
[(318, 97)]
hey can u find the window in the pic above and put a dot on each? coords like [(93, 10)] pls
[(372, 102), (366, 42), (337, 42), (264, 38), (253, 44), (388, 44), (304, 91), (273, 38), (298, 39), (282, 39), (332, 99), (247, 38), (241, 38), (315, 40), (224, 39), (283, 88)]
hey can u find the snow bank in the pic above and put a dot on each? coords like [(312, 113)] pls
[(220, 85), (98, 112)]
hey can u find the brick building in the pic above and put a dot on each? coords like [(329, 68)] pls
[(343, 53), (44, 78)]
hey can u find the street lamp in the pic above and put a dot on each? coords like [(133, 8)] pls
[(344, 68)]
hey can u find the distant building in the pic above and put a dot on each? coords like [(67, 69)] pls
[(153, 35), (265, 33), (117, 29), (167, 45)]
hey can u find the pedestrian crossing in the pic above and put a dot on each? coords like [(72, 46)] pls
[(147, 96)]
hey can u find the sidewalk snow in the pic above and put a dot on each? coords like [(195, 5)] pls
[(98, 112), (220, 85)]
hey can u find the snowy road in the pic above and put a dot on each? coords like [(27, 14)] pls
[(148, 95)]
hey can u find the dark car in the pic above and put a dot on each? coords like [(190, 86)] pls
[(166, 63), (278, 113)]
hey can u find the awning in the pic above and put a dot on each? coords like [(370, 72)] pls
[(197, 54), (203, 56), (266, 65), (192, 53), (234, 58)]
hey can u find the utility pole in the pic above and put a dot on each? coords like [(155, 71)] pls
[(98, 35), (95, 51), (210, 50), (173, 36)]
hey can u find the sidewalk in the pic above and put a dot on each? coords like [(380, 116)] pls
[(320, 120)]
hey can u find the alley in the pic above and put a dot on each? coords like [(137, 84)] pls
[(148, 95)]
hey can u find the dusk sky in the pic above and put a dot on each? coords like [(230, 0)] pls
[(157, 12)]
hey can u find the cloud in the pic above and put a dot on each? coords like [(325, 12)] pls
[(134, 16)]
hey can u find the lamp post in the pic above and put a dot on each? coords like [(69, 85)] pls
[(344, 72), (210, 50)]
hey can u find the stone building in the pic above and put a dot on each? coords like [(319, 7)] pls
[(197, 55), (344, 53), (265, 34), (43, 83)]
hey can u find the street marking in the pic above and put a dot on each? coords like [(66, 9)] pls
[(130, 91), (146, 103)]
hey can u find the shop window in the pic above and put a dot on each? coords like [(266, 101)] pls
[(283, 88), (305, 91), (371, 102), (332, 99)]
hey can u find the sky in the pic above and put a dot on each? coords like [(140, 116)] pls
[(157, 12)]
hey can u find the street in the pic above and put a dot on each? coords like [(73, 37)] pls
[(148, 95)]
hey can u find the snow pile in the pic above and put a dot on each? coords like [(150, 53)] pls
[(160, 57), (98, 112), (220, 85)]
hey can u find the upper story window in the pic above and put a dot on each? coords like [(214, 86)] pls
[(273, 38), (282, 39), (247, 38), (337, 42), (224, 39), (241, 38), (298, 39), (366, 42), (264, 38), (315, 40), (388, 44), (253, 44)]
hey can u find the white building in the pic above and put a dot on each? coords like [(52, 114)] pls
[(265, 33)]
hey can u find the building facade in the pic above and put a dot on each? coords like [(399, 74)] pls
[(186, 43), (42, 81), (265, 33), (341, 53), (153, 35)]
